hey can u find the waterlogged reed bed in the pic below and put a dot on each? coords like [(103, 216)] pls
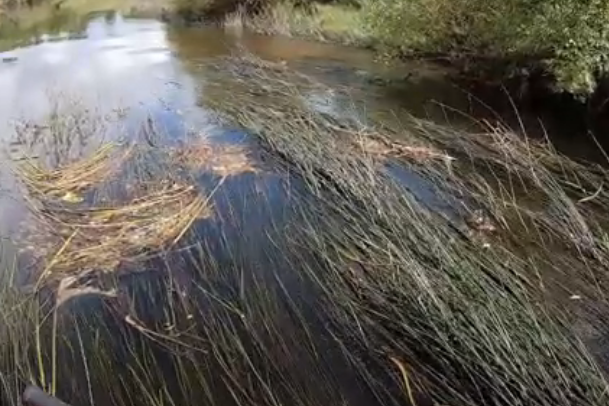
[(211, 317), (77, 234), (229, 333), (354, 290), (494, 181), (473, 320), (551, 211)]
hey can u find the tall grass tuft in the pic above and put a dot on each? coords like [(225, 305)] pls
[(466, 312)]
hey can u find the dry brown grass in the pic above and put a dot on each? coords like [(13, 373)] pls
[(377, 145), (222, 160), (81, 240), (68, 181), (73, 237)]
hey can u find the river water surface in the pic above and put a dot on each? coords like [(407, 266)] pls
[(144, 70), (120, 75), (134, 73)]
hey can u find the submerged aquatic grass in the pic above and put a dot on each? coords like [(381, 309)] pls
[(469, 317), (358, 289)]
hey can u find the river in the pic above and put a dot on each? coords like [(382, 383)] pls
[(143, 69), (123, 74)]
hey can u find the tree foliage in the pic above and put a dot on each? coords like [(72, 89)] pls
[(571, 37)]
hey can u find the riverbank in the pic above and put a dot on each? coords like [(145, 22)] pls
[(495, 48), (328, 23), (488, 46), (562, 41)]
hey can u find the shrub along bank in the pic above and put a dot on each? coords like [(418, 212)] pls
[(566, 39)]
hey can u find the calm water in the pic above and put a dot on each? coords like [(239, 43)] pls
[(141, 70), (143, 65)]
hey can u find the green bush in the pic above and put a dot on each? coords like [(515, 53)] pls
[(580, 42), (571, 37)]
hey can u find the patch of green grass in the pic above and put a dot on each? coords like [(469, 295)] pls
[(336, 23), (342, 23), (140, 7)]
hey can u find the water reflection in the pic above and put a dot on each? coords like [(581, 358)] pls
[(40, 25), (151, 72), (139, 63)]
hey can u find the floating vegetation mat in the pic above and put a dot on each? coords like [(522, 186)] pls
[(69, 181), (383, 147), (222, 160), (80, 240), (71, 237)]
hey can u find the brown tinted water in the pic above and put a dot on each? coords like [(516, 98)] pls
[(142, 69)]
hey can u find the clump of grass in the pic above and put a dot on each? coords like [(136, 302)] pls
[(405, 279), (279, 18), (100, 239), (76, 234), (527, 185), (211, 10), (222, 160), (317, 22), (69, 181)]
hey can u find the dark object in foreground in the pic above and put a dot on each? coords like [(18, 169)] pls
[(34, 396)]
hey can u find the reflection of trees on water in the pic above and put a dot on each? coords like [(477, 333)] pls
[(350, 72), (68, 24)]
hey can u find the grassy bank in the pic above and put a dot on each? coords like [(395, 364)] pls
[(563, 39), (334, 23)]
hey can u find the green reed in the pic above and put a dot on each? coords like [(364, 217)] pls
[(330, 281)]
